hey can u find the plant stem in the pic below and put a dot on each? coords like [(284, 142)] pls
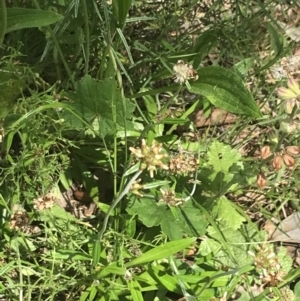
[(4, 22), (116, 202), (87, 37), (58, 48)]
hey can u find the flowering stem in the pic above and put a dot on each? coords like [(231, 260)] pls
[(194, 187), (116, 202)]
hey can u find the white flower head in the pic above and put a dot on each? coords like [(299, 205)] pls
[(184, 72)]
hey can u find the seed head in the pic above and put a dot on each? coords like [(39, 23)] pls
[(150, 157), (288, 160), (183, 163), (136, 187), (293, 150), (265, 152), (261, 180), (169, 197), (277, 162)]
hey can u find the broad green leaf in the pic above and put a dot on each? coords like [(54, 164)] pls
[(162, 251), (146, 278), (148, 211), (94, 100), (19, 18), (120, 11), (216, 174), (204, 44), (222, 156), (276, 40), (194, 220), (150, 104), (189, 219), (297, 289), (171, 226), (162, 277), (238, 242), (226, 213), (209, 246), (225, 90), (111, 269), (153, 214), (285, 262), (243, 67)]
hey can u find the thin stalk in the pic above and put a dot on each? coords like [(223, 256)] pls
[(87, 37), (116, 202), (4, 22), (123, 100), (113, 68), (58, 48), (21, 297)]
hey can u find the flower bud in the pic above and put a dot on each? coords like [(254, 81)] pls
[(288, 160), (289, 105), (293, 85), (261, 180), (288, 127), (265, 152), (293, 150), (273, 137), (277, 162)]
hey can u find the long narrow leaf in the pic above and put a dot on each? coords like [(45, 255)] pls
[(120, 10), (19, 18), (162, 251), (135, 290)]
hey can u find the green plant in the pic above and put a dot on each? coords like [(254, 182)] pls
[(108, 191)]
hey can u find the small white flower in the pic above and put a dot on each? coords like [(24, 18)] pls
[(128, 275), (184, 72), (278, 72)]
